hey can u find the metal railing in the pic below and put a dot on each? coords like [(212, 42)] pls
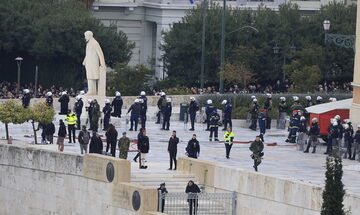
[(197, 203)]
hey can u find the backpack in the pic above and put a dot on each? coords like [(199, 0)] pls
[(86, 137)]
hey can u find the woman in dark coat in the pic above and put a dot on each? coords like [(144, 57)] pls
[(96, 145), (61, 135)]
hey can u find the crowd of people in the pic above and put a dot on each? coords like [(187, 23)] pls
[(278, 87)]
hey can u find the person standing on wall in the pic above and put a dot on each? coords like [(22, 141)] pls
[(172, 149), (84, 139), (229, 139), (111, 139), (192, 190)]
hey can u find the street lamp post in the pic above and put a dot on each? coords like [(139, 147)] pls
[(203, 45), (346, 41), (222, 51), (276, 50), (18, 61)]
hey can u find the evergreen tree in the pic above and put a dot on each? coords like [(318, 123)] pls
[(334, 192)]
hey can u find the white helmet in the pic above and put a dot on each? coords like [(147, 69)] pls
[(142, 93), (253, 97), (332, 120), (209, 101), (282, 98), (334, 123), (78, 97), (26, 91), (308, 98), (268, 95), (347, 121), (302, 118), (314, 119), (168, 100), (346, 126), (254, 100), (337, 117), (358, 126), (49, 93), (162, 94), (332, 99), (107, 101), (295, 98), (141, 100), (89, 101), (192, 98), (224, 102), (318, 98), (63, 93), (117, 93), (82, 92), (136, 100)]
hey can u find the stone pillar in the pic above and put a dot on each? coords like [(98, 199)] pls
[(159, 66), (355, 107)]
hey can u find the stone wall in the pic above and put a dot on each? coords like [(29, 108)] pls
[(34, 181), (260, 194)]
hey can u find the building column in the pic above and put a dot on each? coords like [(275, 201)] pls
[(355, 107), (159, 66)]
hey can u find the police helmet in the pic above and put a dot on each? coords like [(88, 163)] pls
[(141, 100), (107, 101), (253, 97), (268, 95), (168, 100), (26, 91), (295, 98), (346, 126), (142, 93), (337, 117), (302, 118), (282, 98), (162, 93), (136, 100), (63, 93), (347, 121), (209, 101), (89, 101), (334, 123), (254, 100), (192, 98), (78, 97), (82, 92), (319, 98), (224, 102), (308, 98), (117, 93), (314, 119), (49, 94)]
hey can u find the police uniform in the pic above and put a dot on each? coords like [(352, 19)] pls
[(78, 110), (283, 110), (107, 113), (95, 115), (254, 115), (64, 101), (293, 128), (117, 103), (49, 101), (134, 117), (71, 121), (227, 115), (208, 110), (166, 110), (229, 138), (262, 124), (193, 108), (26, 100), (214, 125), (267, 107)]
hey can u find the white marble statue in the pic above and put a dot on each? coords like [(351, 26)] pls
[(94, 63)]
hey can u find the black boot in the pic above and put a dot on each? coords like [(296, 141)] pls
[(314, 149)]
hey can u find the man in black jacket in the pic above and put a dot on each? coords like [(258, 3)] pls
[(144, 147), (172, 149), (49, 99), (117, 103), (79, 104), (49, 132), (193, 148), (26, 98), (314, 132), (160, 103), (192, 190)]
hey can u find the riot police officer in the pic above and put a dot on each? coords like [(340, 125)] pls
[(283, 110), (214, 125), (143, 112), (166, 110), (107, 113), (117, 103), (49, 99), (135, 113), (254, 110), (208, 110), (26, 99), (193, 108), (294, 126), (64, 103), (227, 114), (267, 107), (161, 102), (308, 102), (319, 100)]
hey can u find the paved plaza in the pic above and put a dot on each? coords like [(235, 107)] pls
[(283, 160)]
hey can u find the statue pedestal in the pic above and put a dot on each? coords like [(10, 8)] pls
[(355, 107)]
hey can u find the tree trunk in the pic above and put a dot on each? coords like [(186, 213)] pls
[(7, 131), (35, 137)]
